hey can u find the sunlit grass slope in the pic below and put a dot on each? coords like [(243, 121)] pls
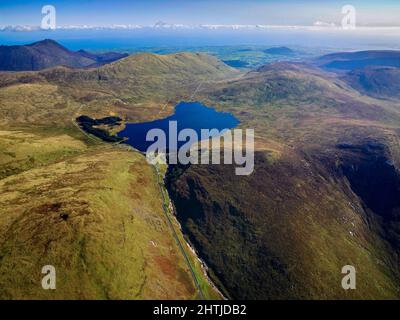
[(94, 212), (98, 219)]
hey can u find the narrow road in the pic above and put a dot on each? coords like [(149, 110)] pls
[(165, 208), (175, 234), (161, 186)]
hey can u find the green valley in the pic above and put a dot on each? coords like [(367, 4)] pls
[(326, 155)]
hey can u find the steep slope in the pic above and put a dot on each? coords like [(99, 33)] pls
[(47, 54), (287, 230), (284, 232), (379, 82)]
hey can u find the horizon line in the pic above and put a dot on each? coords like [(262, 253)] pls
[(317, 26)]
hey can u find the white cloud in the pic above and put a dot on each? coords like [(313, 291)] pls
[(317, 26), (324, 24)]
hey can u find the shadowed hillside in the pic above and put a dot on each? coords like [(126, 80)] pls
[(288, 229), (47, 54), (373, 73), (379, 82), (359, 59)]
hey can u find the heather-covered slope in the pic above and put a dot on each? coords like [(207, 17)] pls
[(306, 211), (285, 232), (379, 82)]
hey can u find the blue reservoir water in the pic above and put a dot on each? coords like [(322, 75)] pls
[(188, 115)]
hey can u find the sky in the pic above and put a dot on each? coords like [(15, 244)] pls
[(194, 12)]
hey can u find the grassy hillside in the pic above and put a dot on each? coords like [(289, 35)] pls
[(139, 87), (95, 212), (98, 219), (21, 150)]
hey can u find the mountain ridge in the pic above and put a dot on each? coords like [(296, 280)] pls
[(47, 54), (347, 61)]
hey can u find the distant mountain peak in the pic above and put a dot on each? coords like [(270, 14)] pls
[(46, 41), (49, 44), (49, 53)]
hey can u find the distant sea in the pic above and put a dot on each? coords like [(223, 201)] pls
[(134, 40)]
